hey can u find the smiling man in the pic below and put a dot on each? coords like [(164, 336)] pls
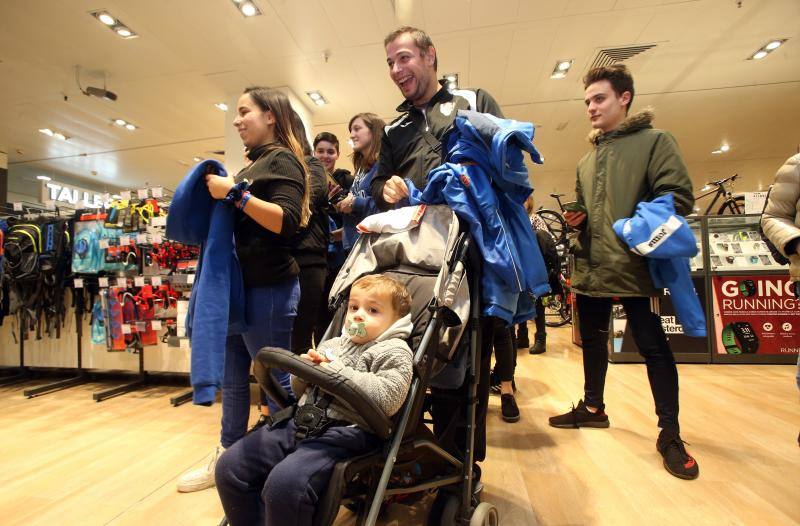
[(411, 145), (629, 162)]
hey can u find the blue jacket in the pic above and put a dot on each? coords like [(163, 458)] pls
[(363, 206), (216, 307), (665, 239), (485, 151)]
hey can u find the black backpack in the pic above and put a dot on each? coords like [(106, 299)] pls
[(551, 260)]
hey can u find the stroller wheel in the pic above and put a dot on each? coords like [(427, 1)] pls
[(444, 510), (484, 515)]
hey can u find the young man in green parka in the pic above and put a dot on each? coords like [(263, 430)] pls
[(630, 162)]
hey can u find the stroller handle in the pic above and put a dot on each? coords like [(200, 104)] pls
[(327, 380)]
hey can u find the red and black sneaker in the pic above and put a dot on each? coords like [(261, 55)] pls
[(677, 460), (580, 417)]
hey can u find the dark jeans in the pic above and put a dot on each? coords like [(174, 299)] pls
[(270, 316), (270, 478), (541, 328), (505, 351), (594, 315), (312, 296)]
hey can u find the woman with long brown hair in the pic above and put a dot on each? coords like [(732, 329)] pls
[(365, 134), (272, 194)]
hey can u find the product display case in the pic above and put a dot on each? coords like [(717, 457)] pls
[(752, 313)]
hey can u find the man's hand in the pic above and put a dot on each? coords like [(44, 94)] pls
[(219, 186), (394, 190), (314, 356), (345, 206), (575, 219)]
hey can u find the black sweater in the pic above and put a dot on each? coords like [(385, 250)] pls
[(311, 243), (275, 176)]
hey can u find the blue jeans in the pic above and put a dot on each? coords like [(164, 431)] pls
[(270, 313), (269, 477)]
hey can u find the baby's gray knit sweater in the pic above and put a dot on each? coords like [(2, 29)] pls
[(382, 369)]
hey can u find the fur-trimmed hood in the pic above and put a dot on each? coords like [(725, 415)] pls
[(638, 121)]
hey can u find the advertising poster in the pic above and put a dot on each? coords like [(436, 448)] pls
[(755, 315), (622, 337)]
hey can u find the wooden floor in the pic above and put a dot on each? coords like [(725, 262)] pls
[(67, 460)]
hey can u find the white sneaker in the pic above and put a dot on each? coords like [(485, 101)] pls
[(202, 477)]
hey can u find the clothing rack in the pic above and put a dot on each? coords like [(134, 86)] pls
[(22, 371)]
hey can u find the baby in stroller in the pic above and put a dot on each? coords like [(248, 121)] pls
[(276, 474)]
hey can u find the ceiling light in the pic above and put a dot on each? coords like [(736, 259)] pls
[(130, 126), (317, 98), (120, 122), (724, 148), (54, 134), (767, 48), (716, 151), (43, 178), (59, 136), (46, 131), (222, 106), (197, 159), (114, 24), (561, 68), (248, 8), (106, 19)]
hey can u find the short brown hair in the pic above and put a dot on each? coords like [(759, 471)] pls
[(618, 75), (327, 137), (401, 299), (421, 39)]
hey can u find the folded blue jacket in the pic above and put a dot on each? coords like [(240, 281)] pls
[(485, 181), (665, 239), (216, 307)]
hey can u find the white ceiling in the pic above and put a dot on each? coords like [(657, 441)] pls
[(192, 53)]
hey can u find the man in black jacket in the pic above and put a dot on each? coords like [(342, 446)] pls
[(411, 147)]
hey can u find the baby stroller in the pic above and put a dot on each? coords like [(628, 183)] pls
[(438, 264)]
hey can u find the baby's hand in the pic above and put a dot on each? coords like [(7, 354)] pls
[(314, 356)]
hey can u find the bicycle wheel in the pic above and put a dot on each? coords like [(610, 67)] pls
[(556, 224), (557, 310), (733, 206)]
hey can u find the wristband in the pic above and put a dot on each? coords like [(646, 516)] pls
[(245, 198), (235, 193)]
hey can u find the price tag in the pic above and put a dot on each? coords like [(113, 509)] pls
[(103, 282), (157, 239), (141, 239), (158, 191), (78, 283), (138, 281), (159, 221), (126, 329), (190, 279), (103, 243), (122, 282), (156, 281), (125, 195), (155, 325), (141, 326), (142, 193), (17, 207), (124, 240)]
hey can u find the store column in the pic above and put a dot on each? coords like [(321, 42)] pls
[(3, 177)]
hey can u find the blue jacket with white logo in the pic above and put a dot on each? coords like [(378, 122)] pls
[(217, 301), (363, 206), (485, 152), (665, 239)]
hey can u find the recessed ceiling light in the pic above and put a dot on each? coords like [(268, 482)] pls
[(46, 131), (124, 31), (564, 65), (775, 44), (120, 122), (197, 159), (724, 148), (759, 54), (59, 136), (247, 8), (715, 152), (130, 126), (767, 48), (106, 19), (561, 68), (54, 134), (317, 98), (222, 106), (43, 178)]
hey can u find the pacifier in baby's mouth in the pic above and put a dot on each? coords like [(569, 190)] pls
[(357, 328)]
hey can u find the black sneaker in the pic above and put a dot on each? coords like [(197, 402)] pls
[(263, 420), (539, 345), (580, 417), (509, 408), (677, 460)]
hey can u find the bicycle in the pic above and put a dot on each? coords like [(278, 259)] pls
[(557, 307), (730, 204), (555, 222)]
